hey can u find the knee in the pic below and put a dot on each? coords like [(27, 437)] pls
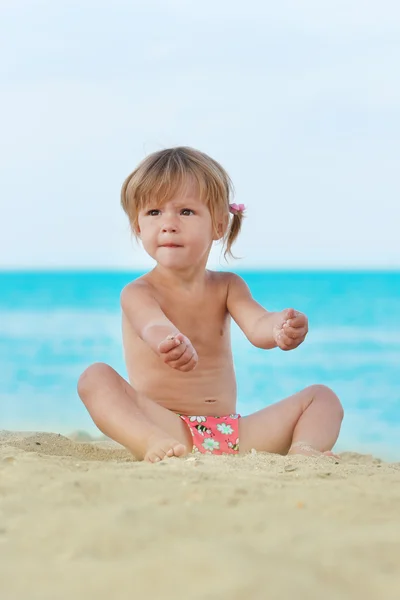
[(91, 378), (327, 395)]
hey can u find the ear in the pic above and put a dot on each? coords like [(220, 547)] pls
[(221, 227), (136, 228)]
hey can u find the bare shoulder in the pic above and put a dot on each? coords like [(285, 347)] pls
[(221, 278), (221, 281), (233, 283), (138, 290)]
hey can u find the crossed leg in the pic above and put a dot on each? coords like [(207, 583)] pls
[(150, 431), (306, 423)]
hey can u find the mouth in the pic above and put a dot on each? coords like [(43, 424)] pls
[(171, 246)]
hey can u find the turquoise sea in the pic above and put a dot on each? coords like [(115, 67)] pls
[(54, 324)]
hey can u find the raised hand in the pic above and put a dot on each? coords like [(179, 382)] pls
[(178, 353), (291, 329)]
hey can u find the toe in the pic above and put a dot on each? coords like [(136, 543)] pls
[(176, 450), (329, 453), (166, 449), (179, 450), (154, 457)]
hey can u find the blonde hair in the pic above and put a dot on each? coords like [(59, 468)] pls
[(162, 173)]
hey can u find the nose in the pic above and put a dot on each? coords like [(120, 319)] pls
[(169, 224), (169, 228)]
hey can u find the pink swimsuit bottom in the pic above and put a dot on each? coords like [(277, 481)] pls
[(214, 435)]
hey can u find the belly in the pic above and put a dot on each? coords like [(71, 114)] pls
[(204, 391)]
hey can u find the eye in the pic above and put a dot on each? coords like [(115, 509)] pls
[(153, 212), (186, 212)]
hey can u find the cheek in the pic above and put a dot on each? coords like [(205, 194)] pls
[(143, 228), (202, 238)]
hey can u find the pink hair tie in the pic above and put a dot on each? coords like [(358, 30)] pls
[(236, 208)]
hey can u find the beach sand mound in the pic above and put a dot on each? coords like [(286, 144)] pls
[(55, 444), (83, 519)]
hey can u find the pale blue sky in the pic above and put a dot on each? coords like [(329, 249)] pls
[(300, 101)]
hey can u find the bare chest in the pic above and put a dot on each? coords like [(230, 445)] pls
[(204, 322)]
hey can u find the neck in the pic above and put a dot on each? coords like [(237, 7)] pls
[(185, 279)]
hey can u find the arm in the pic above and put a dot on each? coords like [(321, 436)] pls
[(147, 319), (144, 314), (256, 323)]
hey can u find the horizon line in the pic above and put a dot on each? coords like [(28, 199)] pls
[(270, 268)]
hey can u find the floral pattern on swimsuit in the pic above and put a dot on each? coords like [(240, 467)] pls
[(214, 435)]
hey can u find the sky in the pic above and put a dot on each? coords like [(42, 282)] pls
[(299, 101)]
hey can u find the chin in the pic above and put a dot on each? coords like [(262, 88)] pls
[(172, 264)]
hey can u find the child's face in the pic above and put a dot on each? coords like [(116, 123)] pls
[(178, 234)]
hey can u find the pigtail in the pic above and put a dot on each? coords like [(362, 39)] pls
[(233, 232)]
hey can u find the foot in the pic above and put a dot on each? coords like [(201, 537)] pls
[(306, 450), (164, 447)]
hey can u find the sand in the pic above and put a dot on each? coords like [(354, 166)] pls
[(81, 519)]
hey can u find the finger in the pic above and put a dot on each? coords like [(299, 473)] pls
[(175, 353), (183, 359), (283, 339), (167, 344), (286, 347), (181, 338), (290, 313), (297, 335), (283, 346), (188, 360), (296, 321), (187, 363), (287, 342), (190, 365), (289, 333), (294, 334)]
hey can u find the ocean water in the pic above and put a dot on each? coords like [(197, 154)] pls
[(53, 325)]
